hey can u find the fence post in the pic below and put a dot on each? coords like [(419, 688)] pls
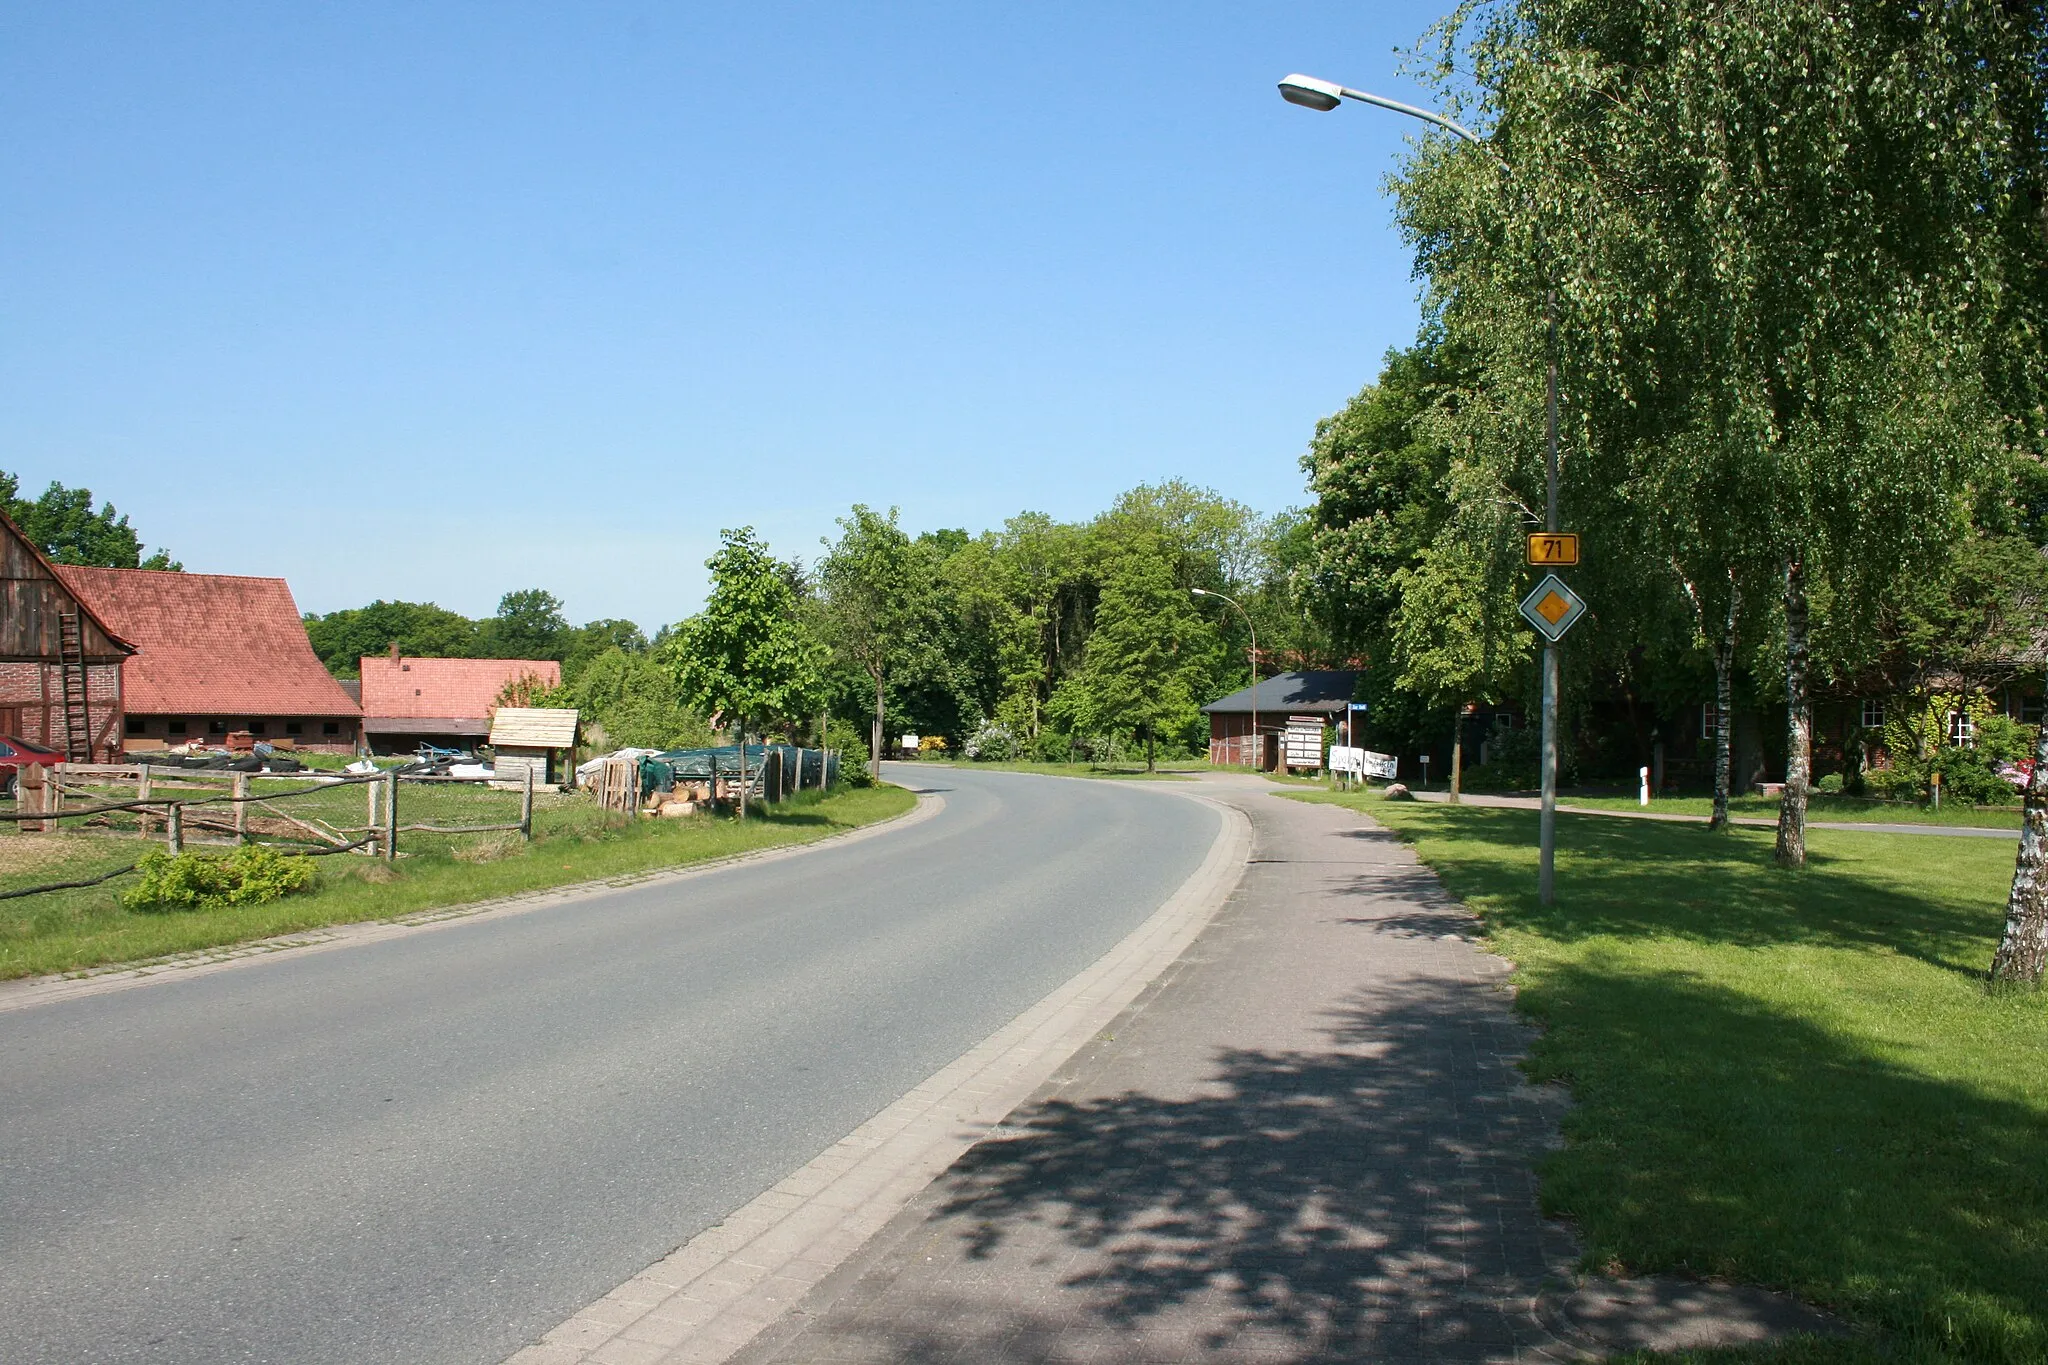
[(526, 807), (241, 786), (370, 826), (142, 785), (174, 826), (391, 816)]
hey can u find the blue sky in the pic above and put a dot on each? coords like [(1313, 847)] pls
[(435, 301)]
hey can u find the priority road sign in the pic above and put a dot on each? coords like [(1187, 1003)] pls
[(1553, 608), (1554, 549)]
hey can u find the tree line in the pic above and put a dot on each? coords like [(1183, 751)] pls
[(1791, 265)]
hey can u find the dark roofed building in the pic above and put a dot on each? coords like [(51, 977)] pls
[(1325, 693)]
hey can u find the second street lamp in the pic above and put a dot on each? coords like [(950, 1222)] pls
[(1253, 631), (1311, 92)]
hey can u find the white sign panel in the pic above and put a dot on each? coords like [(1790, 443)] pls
[(1380, 765), (1304, 741), (1347, 760)]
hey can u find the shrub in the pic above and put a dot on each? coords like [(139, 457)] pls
[(931, 744), (250, 875), (992, 743), (1831, 785), (1054, 747)]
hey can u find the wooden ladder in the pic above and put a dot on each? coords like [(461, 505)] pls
[(72, 681)]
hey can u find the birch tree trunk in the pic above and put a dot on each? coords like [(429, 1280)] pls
[(1724, 707), (1798, 721), (1457, 751), (2023, 951), (875, 734)]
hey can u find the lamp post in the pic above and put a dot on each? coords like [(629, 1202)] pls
[(1323, 96), (1253, 631)]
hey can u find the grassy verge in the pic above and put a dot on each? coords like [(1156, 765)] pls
[(72, 930), (1181, 773), (1792, 1079), (1819, 810)]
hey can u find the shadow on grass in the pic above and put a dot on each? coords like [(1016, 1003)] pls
[(1635, 878), (1717, 1136)]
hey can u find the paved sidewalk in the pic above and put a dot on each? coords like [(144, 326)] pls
[(1307, 1141)]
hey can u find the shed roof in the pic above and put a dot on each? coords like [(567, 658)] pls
[(32, 594), (533, 727), (1323, 692), (210, 643), (437, 688)]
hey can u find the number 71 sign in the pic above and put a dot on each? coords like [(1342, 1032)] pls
[(1554, 549)]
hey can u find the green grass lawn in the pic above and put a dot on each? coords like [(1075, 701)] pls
[(1797, 1080), (1178, 771), (1819, 810), (574, 842)]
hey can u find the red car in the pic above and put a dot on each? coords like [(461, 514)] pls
[(15, 754)]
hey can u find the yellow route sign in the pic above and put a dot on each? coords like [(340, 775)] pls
[(1554, 549)]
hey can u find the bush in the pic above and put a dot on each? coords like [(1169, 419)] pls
[(992, 743), (1831, 785), (1054, 747), (250, 875)]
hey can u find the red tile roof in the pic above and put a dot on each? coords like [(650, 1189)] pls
[(210, 644), (468, 688)]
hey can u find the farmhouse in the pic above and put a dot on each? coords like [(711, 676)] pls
[(60, 664), (213, 654), (408, 702), (1324, 694)]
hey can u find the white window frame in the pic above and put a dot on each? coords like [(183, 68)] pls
[(1709, 720), (1873, 713), (1961, 728)]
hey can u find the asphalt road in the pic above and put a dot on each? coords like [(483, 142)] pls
[(434, 1148)]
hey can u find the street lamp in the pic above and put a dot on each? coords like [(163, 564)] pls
[(1257, 743), (1312, 93)]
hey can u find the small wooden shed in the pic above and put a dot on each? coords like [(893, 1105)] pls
[(527, 738)]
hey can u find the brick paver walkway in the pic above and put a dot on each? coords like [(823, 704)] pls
[(1307, 1141)]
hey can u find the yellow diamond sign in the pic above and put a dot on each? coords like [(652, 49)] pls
[(1553, 608)]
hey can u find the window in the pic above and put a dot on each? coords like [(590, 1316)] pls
[(330, 727), (2030, 711), (292, 727), (1709, 720), (257, 727), (176, 727), (216, 727), (1873, 713), (137, 725), (1962, 729)]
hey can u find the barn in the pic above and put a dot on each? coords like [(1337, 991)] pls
[(214, 654), (60, 663)]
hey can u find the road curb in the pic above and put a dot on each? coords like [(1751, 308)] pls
[(713, 1295), (30, 992)]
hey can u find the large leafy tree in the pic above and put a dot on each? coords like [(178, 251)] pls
[(63, 525), (879, 595), (1144, 659), (747, 655), (529, 625), (343, 638)]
